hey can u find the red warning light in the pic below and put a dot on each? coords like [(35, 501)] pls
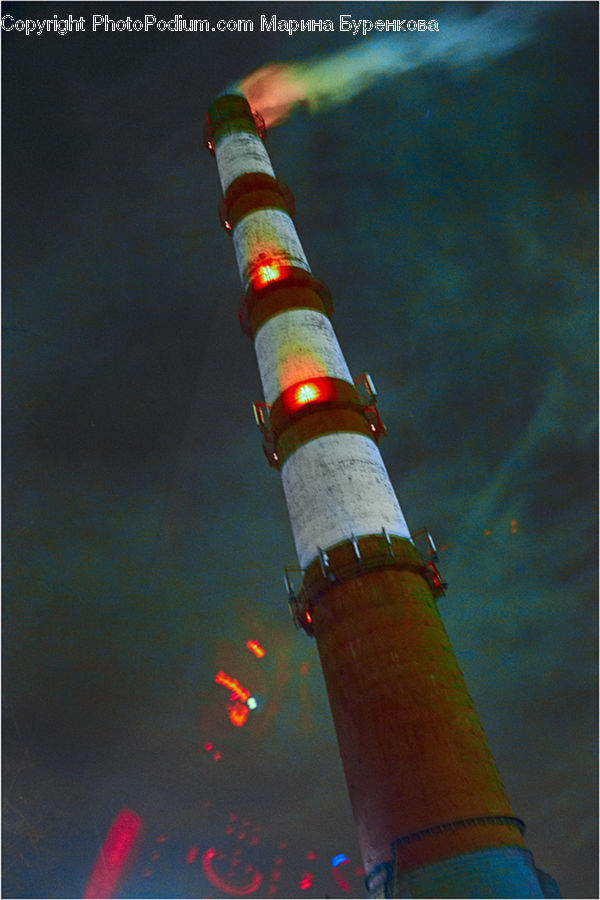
[(308, 618), (305, 393), (435, 576), (254, 647), (266, 274), (306, 881)]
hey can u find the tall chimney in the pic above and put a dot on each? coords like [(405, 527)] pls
[(432, 816)]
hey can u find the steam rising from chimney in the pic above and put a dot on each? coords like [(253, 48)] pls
[(464, 43)]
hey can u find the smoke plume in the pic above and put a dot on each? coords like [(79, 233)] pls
[(464, 43)]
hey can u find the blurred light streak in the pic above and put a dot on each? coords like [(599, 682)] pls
[(225, 886), (237, 714), (306, 881), (255, 648), (233, 685), (191, 855), (340, 860), (113, 855)]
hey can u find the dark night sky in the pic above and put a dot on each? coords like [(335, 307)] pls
[(453, 216)]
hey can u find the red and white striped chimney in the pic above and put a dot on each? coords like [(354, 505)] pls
[(432, 816)]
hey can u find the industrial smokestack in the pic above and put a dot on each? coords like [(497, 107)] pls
[(432, 816)]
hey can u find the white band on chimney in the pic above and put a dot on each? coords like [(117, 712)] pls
[(269, 236), (239, 154), (295, 345), (336, 486)]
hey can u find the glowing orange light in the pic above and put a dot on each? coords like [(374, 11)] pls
[(234, 686), (255, 648), (266, 274), (237, 714), (487, 532), (513, 526), (308, 618), (225, 886), (113, 855), (305, 393)]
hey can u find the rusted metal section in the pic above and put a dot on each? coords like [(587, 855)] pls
[(412, 747), (294, 289)]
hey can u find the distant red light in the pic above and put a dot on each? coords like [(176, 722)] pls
[(255, 648), (191, 855), (308, 618), (306, 881)]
